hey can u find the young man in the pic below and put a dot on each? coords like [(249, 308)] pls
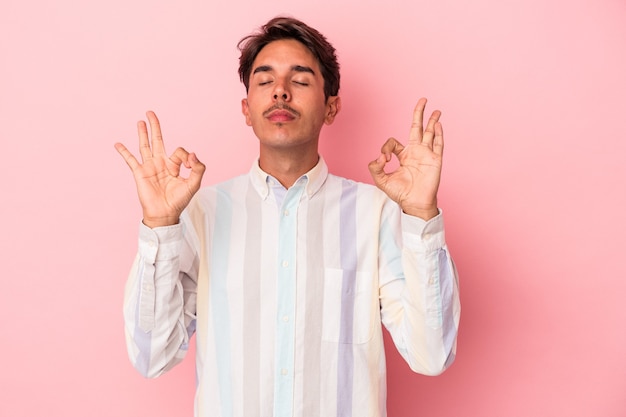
[(287, 273)]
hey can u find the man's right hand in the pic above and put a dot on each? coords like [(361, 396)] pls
[(163, 193)]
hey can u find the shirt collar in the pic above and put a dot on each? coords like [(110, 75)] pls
[(315, 178)]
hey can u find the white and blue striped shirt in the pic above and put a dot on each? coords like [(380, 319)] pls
[(287, 290)]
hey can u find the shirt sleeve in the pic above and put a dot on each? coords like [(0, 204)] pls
[(160, 299), (419, 294)]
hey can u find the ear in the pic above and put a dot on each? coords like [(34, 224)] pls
[(333, 105), (245, 110)]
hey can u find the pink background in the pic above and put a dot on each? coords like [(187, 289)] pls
[(533, 99)]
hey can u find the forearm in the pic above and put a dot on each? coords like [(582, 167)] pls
[(422, 309), (159, 303)]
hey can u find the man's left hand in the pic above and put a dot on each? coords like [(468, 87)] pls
[(414, 184)]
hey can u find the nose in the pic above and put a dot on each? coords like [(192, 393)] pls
[(281, 92)]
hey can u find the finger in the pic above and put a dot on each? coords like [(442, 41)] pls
[(128, 157), (158, 148), (144, 144), (391, 146), (180, 156), (429, 133), (377, 170), (438, 142), (197, 171), (418, 117)]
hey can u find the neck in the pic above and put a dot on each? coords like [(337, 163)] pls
[(287, 167)]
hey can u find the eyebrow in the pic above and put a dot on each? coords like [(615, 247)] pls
[(296, 68)]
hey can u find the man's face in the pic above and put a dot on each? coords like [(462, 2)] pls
[(285, 105)]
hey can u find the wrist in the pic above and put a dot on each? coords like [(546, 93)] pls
[(160, 222), (424, 214)]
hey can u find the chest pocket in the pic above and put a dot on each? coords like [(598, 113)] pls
[(350, 306)]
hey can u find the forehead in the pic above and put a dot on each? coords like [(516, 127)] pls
[(287, 52)]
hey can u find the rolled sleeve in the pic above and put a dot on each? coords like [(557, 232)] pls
[(421, 235)]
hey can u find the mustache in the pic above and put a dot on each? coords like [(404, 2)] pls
[(280, 106)]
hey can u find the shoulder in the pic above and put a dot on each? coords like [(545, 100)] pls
[(366, 197), (360, 188), (229, 190), (224, 187)]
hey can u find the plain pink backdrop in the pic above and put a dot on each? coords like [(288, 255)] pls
[(533, 100)]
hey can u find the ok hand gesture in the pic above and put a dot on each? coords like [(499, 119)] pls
[(163, 193), (415, 183)]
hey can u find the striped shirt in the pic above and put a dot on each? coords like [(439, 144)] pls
[(287, 291)]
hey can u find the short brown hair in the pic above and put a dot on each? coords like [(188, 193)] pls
[(289, 28)]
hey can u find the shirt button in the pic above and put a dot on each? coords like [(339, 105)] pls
[(427, 236), (286, 213), (431, 281), (283, 371), (285, 319), (285, 264), (151, 244)]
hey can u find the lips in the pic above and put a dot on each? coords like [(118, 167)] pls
[(280, 116), (280, 113)]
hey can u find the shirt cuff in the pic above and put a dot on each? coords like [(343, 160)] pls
[(418, 234), (160, 243)]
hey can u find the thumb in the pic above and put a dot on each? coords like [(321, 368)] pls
[(196, 173), (377, 170)]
